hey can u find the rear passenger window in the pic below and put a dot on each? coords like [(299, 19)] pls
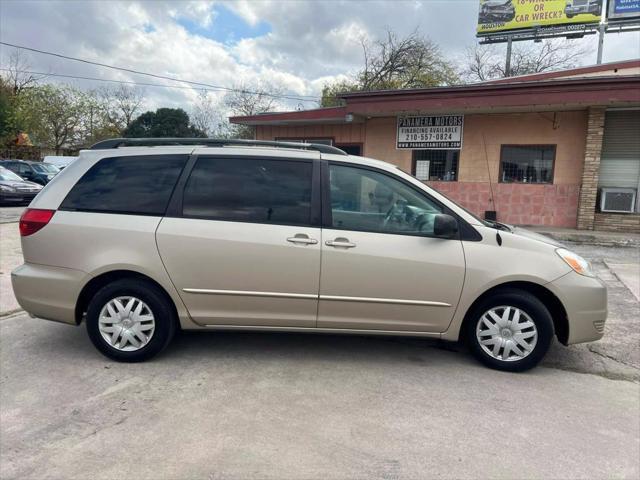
[(133, 185), (249, 190)]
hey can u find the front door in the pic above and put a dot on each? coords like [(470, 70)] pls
[(245, 249), (382, 268)]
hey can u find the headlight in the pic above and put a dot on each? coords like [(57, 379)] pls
[(7, 188), (575, 261)]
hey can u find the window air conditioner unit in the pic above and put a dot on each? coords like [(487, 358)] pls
[(620, 200)]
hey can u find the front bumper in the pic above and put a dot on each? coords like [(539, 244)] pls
[(17, 197), (585, 300), (48, 292)]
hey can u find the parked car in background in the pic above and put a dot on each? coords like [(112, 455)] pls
[(141, 237), (58, 160), (15, 190), (37, 172), (492, 11), (577, 7)]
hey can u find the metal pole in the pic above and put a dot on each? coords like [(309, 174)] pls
[(600, 42), (507, 67)]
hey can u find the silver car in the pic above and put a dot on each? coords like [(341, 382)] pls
[(140, 238)]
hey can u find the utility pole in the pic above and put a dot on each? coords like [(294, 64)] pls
[(507, 66), (601, 29)]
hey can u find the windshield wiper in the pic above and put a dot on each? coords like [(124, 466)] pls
[(499, 226)]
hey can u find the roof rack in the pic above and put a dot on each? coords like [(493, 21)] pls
[(211, 142)]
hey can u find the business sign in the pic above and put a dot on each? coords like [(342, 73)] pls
[(438, 132), (513, 15), (624, 9)]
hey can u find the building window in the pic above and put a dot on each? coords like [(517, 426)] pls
[(436, 165), (527, 163)]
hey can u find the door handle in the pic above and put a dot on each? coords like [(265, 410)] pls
[(302, 239), (340, 242)]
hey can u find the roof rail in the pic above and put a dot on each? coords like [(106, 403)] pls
[(211, 142)]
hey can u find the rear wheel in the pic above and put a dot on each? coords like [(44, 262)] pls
[(130, 320), (511, 331)]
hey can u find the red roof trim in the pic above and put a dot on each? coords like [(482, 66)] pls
[(329, 113), (601, 90), (481, 88), (571, 72)]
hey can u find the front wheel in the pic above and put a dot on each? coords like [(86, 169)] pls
[(130, 320), (511, 331)]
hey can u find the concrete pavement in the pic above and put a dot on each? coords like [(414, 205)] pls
[(11, 214), (10, 258), (289, 406)]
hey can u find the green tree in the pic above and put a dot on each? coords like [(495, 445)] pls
[(396, 63), (54, 115), (6, 112), (164, 122)]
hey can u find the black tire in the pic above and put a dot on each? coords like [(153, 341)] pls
[(528, 304), (156, 300)]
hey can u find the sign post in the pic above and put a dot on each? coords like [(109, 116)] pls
[(507, 66)]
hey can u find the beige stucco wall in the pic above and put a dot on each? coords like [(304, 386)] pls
[(343, 133), (567, 130), (483, 136)]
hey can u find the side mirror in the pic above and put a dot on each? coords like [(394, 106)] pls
[(445, 226)]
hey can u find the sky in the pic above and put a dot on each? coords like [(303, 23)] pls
[(296, 45)]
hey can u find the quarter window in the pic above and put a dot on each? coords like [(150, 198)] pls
[(436, 165), (366, 200), (133, 185), (527, 163), (249, 190)]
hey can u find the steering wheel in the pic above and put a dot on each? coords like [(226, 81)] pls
[(397, 213)]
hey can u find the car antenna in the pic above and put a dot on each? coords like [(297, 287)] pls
[(491, 197)]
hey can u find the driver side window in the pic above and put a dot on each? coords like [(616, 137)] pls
[(369, 201)]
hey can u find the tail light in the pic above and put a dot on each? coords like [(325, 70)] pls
[(33, 219)]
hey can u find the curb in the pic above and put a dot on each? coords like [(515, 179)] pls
[(586, 239), (11, 313)]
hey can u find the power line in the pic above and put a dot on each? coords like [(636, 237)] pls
[(126, 82), (303, 98)]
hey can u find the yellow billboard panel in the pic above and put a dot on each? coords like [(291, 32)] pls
[(505, 15)]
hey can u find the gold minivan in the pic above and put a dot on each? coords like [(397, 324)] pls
[(142, 237)]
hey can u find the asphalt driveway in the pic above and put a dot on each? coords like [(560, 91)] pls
[(278, 406)]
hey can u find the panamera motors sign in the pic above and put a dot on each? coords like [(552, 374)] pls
[(438, 132)]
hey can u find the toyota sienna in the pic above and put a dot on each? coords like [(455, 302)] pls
[(141, 237)]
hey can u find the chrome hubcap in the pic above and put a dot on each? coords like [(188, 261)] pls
[(126, 323), (506, 333)]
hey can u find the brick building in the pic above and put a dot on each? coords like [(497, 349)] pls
[(559, 149)]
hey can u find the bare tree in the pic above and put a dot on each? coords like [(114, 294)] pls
[(396, 62), (17, 74), (206, 115), (410, 62), (486, 62), (246, 100), (121, 105)]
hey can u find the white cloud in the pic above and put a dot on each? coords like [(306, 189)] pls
[(309, 43)]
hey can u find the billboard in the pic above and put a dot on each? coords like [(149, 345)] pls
[(435, 132), (623, 10), (513, 15)]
